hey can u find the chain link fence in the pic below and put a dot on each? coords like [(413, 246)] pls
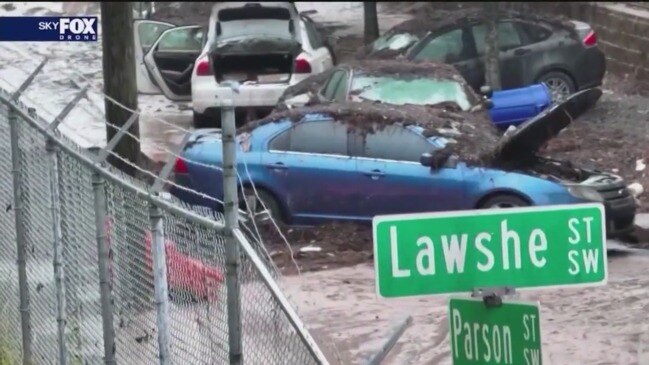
[(10, 331), (114, 273)]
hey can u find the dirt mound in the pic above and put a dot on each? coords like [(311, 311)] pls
[(322, 247), (613, 137), (471, 136), (380, 67), (405, 68), (310, 84)]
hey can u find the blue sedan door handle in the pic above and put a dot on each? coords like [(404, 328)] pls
[(374, 174), (277, 166)]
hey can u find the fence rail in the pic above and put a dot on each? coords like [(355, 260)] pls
[(98, 267)]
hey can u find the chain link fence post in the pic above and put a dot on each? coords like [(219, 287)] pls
[(58, 261), (160, 283), (231, 210), (98, 186), (25, 315)]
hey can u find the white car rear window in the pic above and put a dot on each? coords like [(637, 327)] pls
[(255, 20), (267, 27)]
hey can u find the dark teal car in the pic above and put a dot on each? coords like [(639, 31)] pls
[(560, 53)]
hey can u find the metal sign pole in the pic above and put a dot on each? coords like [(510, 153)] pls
[(493, 297), (231, 210)]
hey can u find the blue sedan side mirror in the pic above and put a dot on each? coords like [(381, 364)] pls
[(426, 159)]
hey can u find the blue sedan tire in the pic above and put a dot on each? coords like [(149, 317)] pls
[(504, 201), (266, 206)]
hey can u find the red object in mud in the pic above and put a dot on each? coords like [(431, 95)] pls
[(186, 273)]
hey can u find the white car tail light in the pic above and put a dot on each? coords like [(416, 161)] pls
[(302, 66), (204, 68)]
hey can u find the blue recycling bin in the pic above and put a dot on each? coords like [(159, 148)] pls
[(515, 106)]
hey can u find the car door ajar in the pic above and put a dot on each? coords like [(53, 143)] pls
[(393, 179), (322, 58), (169, 61), (310, 164), (145, 33)]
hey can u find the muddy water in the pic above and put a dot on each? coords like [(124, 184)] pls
[(162, 132), (603, 325)]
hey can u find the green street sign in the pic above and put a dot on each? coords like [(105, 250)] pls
[(455, 252), (509, 334)]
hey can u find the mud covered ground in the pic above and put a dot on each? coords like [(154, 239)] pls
[(320, 248), (613, 136), (603, 325)]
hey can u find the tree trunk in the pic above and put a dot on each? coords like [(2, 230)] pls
[(371, 21), (492, 59), (119, 80)]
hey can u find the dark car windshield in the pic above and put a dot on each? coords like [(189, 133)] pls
[(418, 91)]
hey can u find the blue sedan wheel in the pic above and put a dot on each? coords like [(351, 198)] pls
[(504, 202), (263, 206)]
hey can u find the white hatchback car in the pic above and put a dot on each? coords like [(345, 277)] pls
[(265, 46)]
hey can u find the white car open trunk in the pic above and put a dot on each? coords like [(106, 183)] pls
[(255, 42)]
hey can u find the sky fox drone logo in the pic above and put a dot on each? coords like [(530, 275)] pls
[(49, 29), (72, 29)]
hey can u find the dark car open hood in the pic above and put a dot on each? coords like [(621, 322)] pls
[(530, 136), (256, 46)]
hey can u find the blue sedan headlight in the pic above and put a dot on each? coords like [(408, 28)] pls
[(585, 192)]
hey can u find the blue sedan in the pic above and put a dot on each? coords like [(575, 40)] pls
[(318, 169)]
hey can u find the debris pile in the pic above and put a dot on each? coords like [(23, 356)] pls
[(323, 247), (397, 68), (470, 136), (613, 136)]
